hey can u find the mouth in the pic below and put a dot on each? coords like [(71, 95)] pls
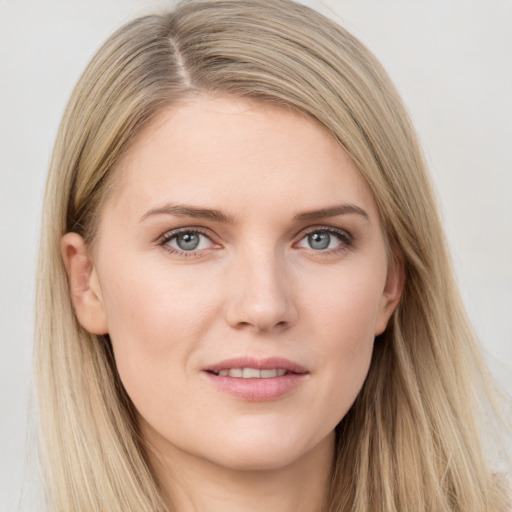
[(255, 368), (251, 373), (257, 380)]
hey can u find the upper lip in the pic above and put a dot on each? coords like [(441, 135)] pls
[(268, 363)]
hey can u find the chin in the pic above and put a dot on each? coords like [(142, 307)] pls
[(267, 452), (257, 459)]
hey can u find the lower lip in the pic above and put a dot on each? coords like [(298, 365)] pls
[(258, 390)]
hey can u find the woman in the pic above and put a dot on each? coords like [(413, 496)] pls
[(245, 299)]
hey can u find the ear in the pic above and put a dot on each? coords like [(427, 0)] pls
[(84, 286), (392, 291)]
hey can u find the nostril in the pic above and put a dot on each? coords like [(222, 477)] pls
[(282, 325), (262, 309)]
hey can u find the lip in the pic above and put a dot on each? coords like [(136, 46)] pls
[(267, 363), (257, 390)]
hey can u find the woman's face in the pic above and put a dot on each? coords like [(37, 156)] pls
[(241, 273)]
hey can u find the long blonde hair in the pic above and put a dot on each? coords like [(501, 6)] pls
[(412, 440)]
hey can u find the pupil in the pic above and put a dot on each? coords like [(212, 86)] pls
[(188, 241), (319, 240)]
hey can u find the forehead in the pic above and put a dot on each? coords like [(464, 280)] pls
[(208, 150)]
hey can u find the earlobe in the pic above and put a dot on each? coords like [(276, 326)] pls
[(84, 286), (392, 291)]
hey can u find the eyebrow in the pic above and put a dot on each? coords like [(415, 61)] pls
[(332, 211), (180, 210)]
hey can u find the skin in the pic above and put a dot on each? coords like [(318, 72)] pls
[(255, 286)]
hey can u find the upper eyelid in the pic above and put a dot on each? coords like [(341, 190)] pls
[(192, 229), (331, 229)]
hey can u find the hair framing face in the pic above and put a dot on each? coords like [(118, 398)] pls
[(413, 429)]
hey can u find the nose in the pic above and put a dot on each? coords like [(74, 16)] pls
[(261, 295)]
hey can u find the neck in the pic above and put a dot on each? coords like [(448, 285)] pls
[(193, 484)]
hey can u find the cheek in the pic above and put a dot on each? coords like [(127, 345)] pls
[(148, 303), (346, 302), (343, 319), (155, 320)]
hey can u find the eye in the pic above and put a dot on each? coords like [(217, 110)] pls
[(186, 241), (325, 239)]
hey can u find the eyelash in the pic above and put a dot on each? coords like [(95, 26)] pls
[(345, 239)]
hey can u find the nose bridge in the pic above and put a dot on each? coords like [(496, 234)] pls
[(261, 294)]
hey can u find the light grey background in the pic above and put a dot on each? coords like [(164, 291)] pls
[(452, 62)]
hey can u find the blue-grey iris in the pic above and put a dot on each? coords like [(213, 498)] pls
[(319, 240), (187, 241)]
